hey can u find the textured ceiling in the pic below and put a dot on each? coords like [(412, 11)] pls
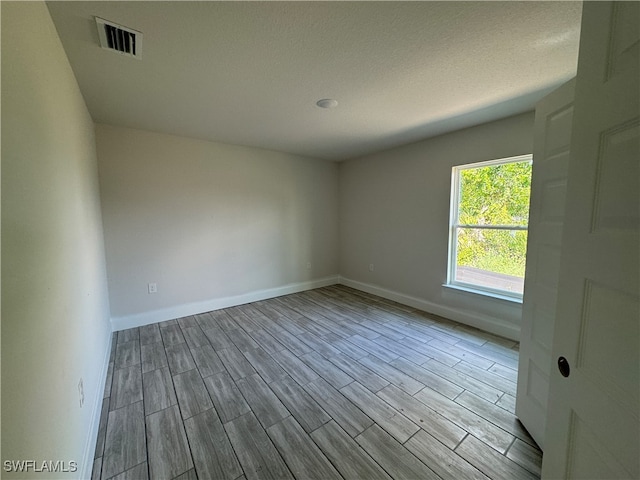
[(250, 73)]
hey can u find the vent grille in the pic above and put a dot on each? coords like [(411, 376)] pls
[(117, 38)]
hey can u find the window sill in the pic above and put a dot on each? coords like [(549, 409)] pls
[(484, 293)]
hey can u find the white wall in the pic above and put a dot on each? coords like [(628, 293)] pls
[(394, 213), (212, 224), (55, 312)]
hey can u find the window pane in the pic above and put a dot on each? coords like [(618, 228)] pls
[(495, 195), (492, 258)]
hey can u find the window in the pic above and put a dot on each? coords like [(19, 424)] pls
[(488, 231)]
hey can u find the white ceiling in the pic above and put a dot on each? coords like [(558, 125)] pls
[(250, 73)]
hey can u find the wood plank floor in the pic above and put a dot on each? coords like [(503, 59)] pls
[(329, 383)]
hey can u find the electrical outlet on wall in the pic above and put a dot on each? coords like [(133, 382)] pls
[(153, 288), (308, 265), (371, 267), (81, 392)]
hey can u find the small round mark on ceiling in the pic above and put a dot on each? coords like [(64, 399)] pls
[(327, 103)]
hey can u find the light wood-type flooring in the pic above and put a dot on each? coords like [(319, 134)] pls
[(328, 383)]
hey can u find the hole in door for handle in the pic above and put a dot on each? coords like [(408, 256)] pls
[(563, 366)]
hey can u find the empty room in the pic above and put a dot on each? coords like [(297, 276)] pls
[(320, 240)]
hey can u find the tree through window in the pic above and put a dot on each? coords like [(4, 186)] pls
[(489, 220)]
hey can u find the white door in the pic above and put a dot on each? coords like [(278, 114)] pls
[(593, 425), (552, 135)]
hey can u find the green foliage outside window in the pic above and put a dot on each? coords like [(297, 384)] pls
[(494, 195)]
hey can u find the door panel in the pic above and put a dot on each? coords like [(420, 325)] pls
[(546, 218), (593, 426)]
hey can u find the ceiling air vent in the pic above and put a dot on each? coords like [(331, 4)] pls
[(117, 38)]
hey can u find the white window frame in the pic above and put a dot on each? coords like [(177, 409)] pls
[(454, 225)]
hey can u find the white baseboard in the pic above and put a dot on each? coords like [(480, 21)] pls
[(90, 446), (487, 323), (484, 322), (146, 318)]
